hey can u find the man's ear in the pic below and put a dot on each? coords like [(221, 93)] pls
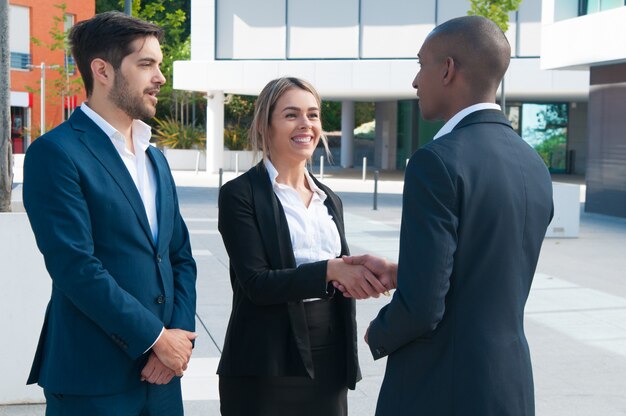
[(450, 71), (102, 72)]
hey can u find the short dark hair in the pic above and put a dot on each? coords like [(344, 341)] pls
[(477, 44), (107, 36)]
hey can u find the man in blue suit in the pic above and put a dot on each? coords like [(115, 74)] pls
[(102, 204), (477, 201)]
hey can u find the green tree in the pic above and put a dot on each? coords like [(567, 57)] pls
[(496, 10), (238, 113)]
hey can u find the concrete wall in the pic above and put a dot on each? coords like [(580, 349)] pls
[(386, 134), (606, 165), (582, 41), (25, 293)]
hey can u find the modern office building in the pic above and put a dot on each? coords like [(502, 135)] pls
[(588, 35), (365, 50), (31, 61)]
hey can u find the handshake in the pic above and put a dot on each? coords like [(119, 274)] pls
[(361, 277)]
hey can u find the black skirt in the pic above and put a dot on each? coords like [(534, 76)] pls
[(325, 395)]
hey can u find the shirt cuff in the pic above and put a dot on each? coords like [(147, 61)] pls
[(155, 341)]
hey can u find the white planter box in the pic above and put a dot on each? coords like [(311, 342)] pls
[(185, 159), (566, 220), (244, 158), (25, 293)]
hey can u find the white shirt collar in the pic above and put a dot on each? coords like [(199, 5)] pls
[(451, 124), (273, 174), (140, 130)]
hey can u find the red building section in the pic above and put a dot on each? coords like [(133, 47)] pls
[(36, 19)]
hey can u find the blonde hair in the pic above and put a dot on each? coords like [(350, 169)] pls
[(259, 132)]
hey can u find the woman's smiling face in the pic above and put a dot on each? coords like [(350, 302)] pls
[(295, 126)]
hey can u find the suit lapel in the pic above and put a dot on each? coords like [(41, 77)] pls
[(164, 197), (99, 144), (333, 204), (272, 222), (275, 234)]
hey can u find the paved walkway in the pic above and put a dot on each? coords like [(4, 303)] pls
[(575, 320)]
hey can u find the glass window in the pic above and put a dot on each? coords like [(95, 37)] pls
[(544, 127)]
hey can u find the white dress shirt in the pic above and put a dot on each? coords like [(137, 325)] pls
[(314, 234), (139, 166), (451, 124)]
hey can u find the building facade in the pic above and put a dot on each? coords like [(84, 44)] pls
[(30, 25), (588, 35), (365, 50)]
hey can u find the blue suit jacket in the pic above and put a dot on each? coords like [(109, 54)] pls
[(113, 287), (476, 206)]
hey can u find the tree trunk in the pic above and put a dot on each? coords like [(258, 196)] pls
[(6, 155)]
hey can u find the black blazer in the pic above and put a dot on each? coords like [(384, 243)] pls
[(267, 334), (476, 206)]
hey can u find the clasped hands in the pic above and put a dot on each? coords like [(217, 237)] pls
[(169, 356), (361, 277)]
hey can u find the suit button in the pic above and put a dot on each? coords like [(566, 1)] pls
[(160, 299), (158, 258)]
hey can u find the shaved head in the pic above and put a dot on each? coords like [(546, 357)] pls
[(477, 45)]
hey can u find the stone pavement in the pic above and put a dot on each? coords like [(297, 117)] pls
[(575, 317)]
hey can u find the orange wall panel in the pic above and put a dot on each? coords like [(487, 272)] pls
[(41, 23)]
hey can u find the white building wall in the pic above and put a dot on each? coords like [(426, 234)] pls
[(203, 30), (324, 29), (395, 28), (529, 31), (251, 30), (581, 42), (19, 39)]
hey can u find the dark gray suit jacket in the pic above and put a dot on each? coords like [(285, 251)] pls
[(476, 206)]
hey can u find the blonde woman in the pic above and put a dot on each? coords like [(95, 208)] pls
[(290, 348)]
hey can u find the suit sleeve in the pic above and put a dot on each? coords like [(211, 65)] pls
[(428, 240), (242, 238), (185, 273), (61, 222)]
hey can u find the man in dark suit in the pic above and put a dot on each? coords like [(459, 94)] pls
[(103, 206), (476, 205)]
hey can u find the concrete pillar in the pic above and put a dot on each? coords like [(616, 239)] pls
[(214, 131), (347, 134), (386, 134)]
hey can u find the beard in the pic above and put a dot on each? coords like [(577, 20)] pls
[(132, 104)]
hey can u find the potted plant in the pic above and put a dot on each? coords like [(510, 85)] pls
[(182, 144)]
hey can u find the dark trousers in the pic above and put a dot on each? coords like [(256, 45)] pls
[(147, 400), (324, 395)]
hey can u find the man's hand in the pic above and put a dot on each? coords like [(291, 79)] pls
[(174, 349), (156, 372), (358, 281), (385, 271)]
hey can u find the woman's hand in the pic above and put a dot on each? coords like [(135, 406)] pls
[(358, 280)]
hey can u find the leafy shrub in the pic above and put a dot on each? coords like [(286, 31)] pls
[(175, 135)]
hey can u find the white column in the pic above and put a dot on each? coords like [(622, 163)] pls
[(347, 134), (214, 131)]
